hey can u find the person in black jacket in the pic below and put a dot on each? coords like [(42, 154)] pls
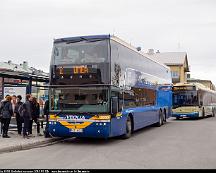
[(19, 118), (25, 112), (1, 111), (49, 105), (46, 114), (7, 112), (35, 116)]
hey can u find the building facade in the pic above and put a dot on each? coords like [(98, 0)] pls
[(177, 61)]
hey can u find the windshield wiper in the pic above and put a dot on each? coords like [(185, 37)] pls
[(83, 39), (76, 41), (95, 40), (175, 106)]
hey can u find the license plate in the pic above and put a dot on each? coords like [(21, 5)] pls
[(183, 115), (76, 130)]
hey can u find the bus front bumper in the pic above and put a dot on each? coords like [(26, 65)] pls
[(182, 115), (95, 130)]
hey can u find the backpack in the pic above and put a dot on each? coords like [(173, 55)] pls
[(6, 110), (2, 107)]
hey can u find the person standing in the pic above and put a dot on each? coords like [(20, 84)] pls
[(7, 112), (1, 111), (13, 102), (3, 99), (46, 114), (25, 112), (35, 116), (41, 103), (19, 118), (49, 105)]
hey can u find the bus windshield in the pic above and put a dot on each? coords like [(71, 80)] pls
[(80, 52), (185, 98), (80, 99)]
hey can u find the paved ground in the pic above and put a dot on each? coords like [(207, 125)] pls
[(178, 144), (16, 142)]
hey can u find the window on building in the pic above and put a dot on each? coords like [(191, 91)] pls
[(175, 74)]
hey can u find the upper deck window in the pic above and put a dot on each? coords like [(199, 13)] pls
[(80, 52)]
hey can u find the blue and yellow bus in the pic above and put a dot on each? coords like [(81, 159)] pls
[(193, 100), (101, 87)]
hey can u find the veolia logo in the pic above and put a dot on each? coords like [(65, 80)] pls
[(75, 117)]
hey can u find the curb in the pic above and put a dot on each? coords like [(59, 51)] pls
[(30, 145)]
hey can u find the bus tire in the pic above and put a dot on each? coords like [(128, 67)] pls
[(46, 134), (164, 116), (203, 113), (128, 128), (160, 122), (213, 112)]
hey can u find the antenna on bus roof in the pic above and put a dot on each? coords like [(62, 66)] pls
[(139, 48)]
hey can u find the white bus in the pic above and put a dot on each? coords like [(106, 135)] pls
[(193, 100)]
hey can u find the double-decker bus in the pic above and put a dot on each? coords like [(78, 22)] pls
[(101, 86), (193, 100)]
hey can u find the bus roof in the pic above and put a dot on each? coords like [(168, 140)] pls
[(198, 85), (112, 37), (88, 37), (117, 39)]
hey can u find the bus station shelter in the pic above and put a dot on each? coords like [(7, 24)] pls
[(22, 83)]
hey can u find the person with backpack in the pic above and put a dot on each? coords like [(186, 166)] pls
[(19, 118), (6, 112)]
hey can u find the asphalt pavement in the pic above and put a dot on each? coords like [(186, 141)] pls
[(179, 144)]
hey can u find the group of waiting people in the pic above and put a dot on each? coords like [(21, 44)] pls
[(25, 113)]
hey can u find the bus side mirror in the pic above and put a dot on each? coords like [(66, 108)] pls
[(114, 103), (201, 103)]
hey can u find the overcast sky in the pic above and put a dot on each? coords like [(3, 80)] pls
[(28, 27)]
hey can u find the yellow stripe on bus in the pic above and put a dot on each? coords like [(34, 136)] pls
[(75, 126), (82, 125)]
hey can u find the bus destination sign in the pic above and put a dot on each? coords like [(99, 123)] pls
[(183, 88), (76, 70)]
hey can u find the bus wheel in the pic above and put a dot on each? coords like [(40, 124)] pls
[(128, 128), (203, 113), (160, 122), (164, 117), (213, 112)]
